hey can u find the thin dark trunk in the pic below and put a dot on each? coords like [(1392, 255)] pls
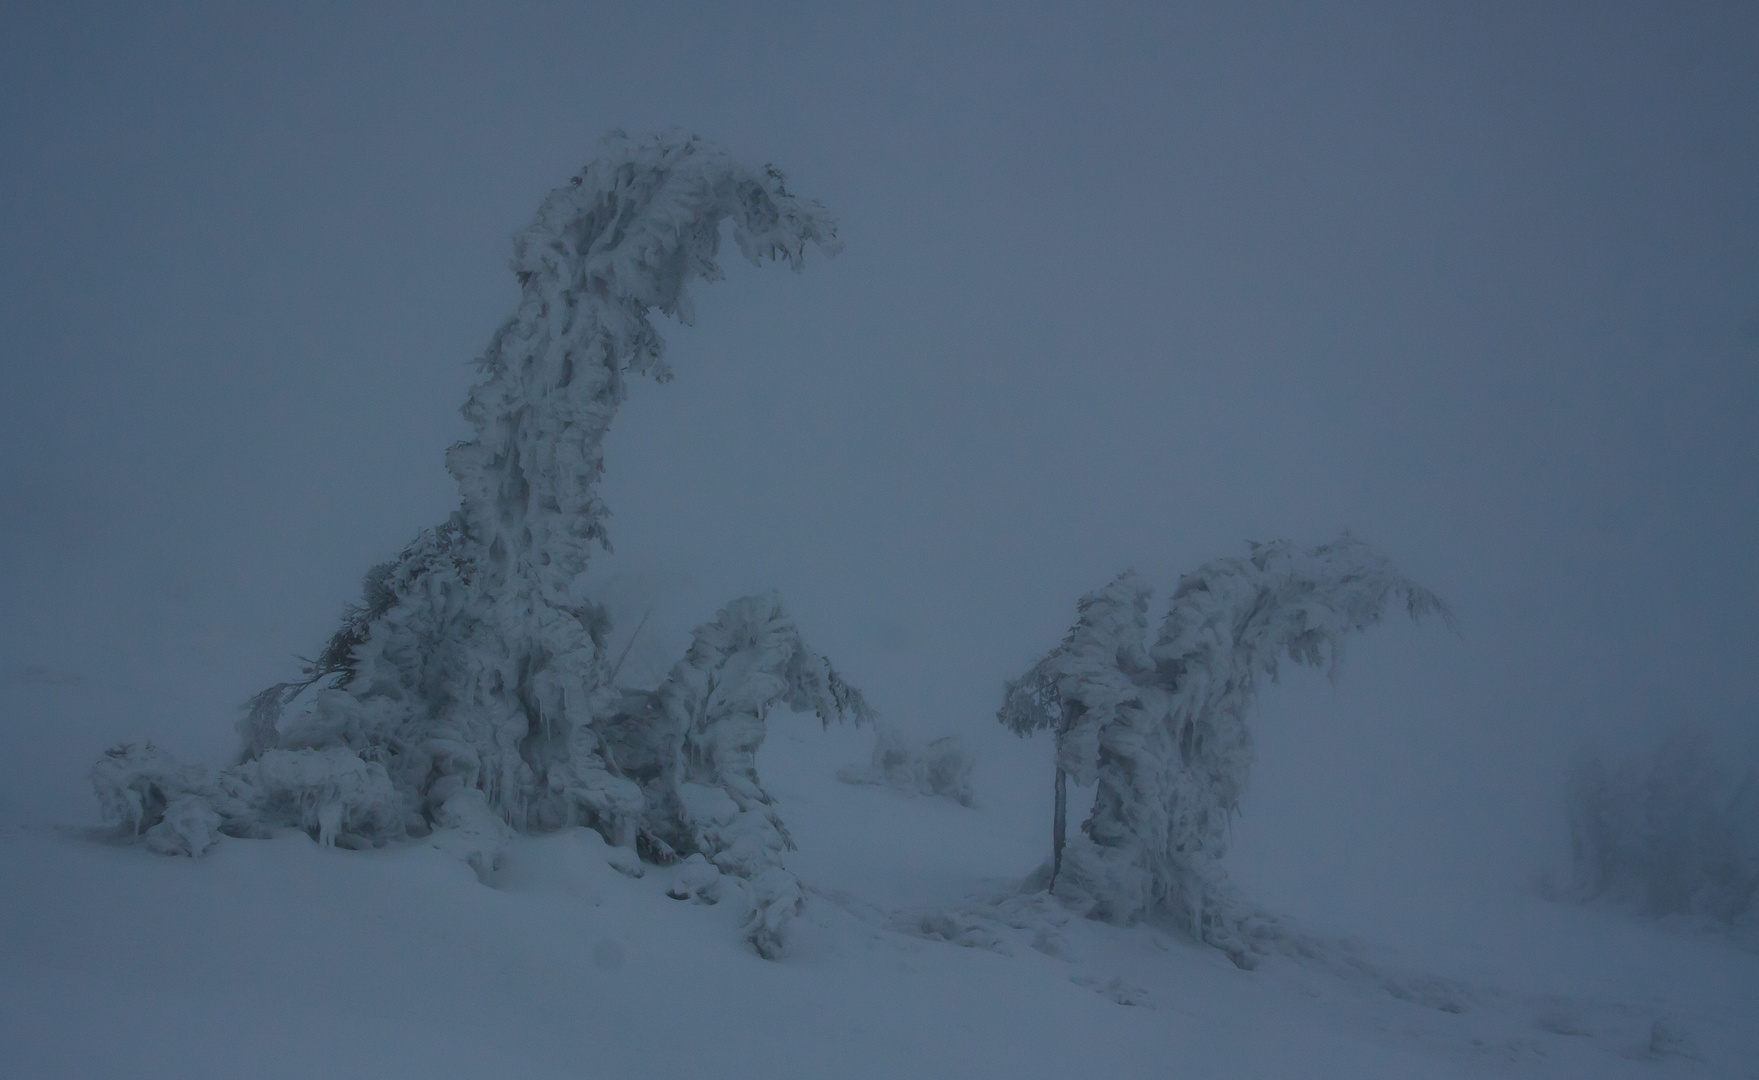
[(1059, 826)]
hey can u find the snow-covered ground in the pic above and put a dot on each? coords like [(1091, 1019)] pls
[(283, 959)]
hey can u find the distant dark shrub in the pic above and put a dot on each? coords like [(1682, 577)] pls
[(1677, 834)]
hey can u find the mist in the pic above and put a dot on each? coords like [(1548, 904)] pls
[(1122, 288)]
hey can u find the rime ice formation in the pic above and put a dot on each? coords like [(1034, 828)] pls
[(468, 693), (1162, 730)]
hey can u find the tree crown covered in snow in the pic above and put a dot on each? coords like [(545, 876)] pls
[(467, 694), (1161, 730)]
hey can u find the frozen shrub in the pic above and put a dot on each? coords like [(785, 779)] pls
[(1677, 834), (135, 785), (938, 767)]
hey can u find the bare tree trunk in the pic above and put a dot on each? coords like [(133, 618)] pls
[(1059, 827)]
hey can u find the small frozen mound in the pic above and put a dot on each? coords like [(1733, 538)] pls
[(939, 767), (1442, 995), (135, 786), (1669, 1038), (962, 928), (472, 833), (696, 880), (1562, 1018), (189, 827), (1114, 989), (773, 899), (995, 923)]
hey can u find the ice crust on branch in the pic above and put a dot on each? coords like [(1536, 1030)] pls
[(468, 691), (1161, 730)]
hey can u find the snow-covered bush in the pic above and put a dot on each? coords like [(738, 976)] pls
[(135, 784), (145, 792), (1161, 731), (940, 766), (699, 778), (1677, 834), (468, 691)]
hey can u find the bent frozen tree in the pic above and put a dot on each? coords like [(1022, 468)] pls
[(692, 745), (1094, 680), (468, 692), (1161, 731)]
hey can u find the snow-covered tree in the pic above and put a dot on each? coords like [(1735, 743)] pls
[(1161, 731), (1096, 680), (468, 691)]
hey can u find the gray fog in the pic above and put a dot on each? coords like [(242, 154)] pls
[(1124, 286)]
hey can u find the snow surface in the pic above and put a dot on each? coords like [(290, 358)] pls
[(281, 958)]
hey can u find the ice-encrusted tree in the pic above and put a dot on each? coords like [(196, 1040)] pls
[(1161, 730), (1096, 679), (468, 693)]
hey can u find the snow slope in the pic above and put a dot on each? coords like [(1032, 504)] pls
[(278, 958)]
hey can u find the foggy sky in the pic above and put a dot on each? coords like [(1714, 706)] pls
[(1121, 288)]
